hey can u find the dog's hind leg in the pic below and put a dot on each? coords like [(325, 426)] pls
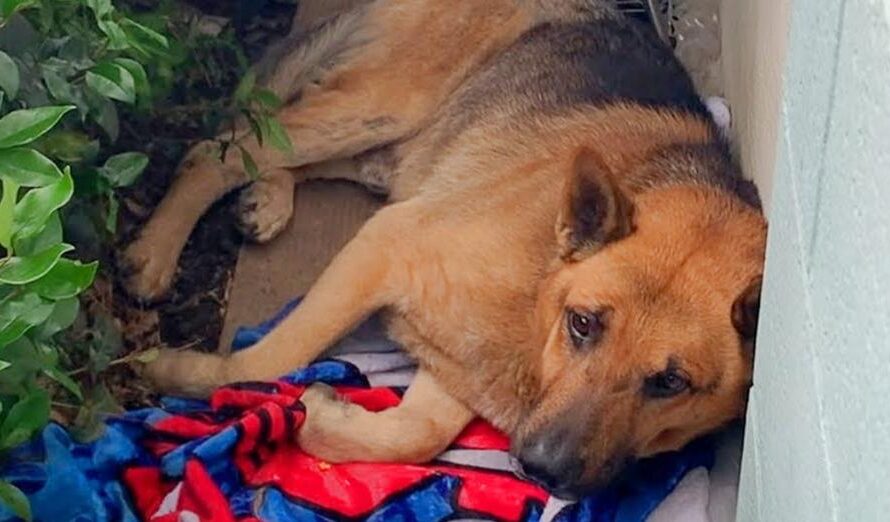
[(361, 279), (266, 206), (423, 425), (338, 119)]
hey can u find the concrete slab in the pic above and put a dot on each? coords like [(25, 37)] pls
[(326, 216)]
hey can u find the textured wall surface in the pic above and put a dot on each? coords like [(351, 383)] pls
[(754, 40), (818, 434)]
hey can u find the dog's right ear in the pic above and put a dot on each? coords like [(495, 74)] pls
[(745, 311), (595, 210)]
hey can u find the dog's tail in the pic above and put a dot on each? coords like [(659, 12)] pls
[(304, 55)]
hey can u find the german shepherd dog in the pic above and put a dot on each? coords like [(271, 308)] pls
[(568, 251)]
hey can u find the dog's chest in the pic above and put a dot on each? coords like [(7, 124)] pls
[(465, 315)]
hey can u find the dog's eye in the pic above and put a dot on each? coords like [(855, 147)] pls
[(668, 383), (584, 326)]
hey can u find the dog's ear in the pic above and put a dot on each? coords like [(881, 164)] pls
[(595, 210), (745, 311)]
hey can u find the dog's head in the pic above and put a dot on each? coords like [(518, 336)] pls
[(647, 323)]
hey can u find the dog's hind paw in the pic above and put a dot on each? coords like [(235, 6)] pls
[(265, 208), (322, 432)]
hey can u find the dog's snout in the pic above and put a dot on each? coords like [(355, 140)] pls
[(552, 462)]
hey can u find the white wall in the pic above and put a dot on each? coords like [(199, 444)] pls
[(754, 42), (818, 434)]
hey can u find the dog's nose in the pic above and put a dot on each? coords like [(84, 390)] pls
[(551, 463)]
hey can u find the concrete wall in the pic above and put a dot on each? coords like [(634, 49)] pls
[(818, 434), (754, 41)]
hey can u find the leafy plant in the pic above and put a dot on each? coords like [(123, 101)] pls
[(38, 284), (86, 54), (258, 106), (74, 76), (63, 68)]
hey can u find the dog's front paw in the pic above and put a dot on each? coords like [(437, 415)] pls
[(184, 372), (264, 209), (147, 269)]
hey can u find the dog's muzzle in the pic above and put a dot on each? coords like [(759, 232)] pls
[(552, 462)]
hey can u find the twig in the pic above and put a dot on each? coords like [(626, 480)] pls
[(135, 355)]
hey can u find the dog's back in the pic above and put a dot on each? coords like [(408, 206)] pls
[(578, 61)]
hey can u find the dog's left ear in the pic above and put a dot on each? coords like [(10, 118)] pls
[(595, 210), (745, 311)]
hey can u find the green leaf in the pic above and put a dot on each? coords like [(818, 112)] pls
[(112, 81), (13, 498), (278, 137), (8, 7), (76, 53), (63, 379), (28, 168), (25, 419), (144, 39), (111, 215), (147, 356), (7, 211), (34, 208), (19, 313), (267, 99), (101, 8), (63, 315), (143, 87), (117, 37), (24, 270), (14, 331), (3, 365), (68, 146), (265, 128), (122, 170), (58, 86), (26, 306), (55, 78), (104, 112), (49, 236), (26, 125), (65, 280), (9, 76), (254, 127), (249, 164), (26, 364), (245, 87)]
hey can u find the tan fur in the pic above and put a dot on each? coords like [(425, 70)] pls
[(411, 432), (472, 263)]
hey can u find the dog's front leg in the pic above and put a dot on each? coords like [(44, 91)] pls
[(365, 276), (419, 428)]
